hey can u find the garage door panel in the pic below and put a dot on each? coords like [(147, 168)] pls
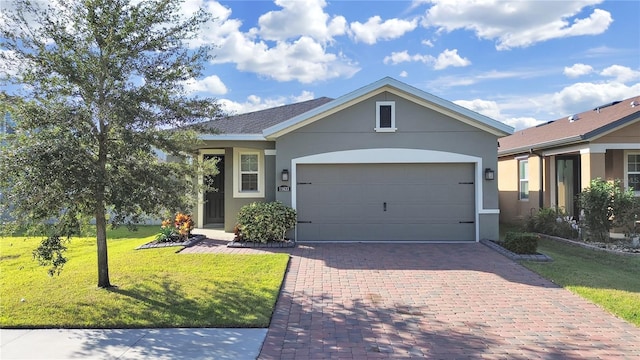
[(386, 202)]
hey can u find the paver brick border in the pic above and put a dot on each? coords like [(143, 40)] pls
[(513, 256), (252, 244)]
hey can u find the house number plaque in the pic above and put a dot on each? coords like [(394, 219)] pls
[(284, 188)]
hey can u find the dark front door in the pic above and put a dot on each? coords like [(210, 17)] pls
[(568, 183), (214, 200)]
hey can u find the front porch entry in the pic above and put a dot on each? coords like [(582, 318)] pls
[(214, 200), (568, 183)]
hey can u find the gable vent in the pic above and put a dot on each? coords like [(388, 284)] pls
[(573, 118)]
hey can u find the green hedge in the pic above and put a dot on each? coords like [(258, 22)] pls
[(521, 243), (263, 222)]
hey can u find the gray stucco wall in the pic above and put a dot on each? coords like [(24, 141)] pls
[(418, 128)]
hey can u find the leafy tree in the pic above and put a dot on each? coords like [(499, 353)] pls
[(97, 88)]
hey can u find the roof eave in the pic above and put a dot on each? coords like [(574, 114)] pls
[(232, 137), (613, 126), (541, 146)]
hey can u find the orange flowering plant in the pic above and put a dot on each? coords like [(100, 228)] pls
[(184, 224), (179, 229)]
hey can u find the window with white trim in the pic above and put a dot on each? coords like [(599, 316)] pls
[(523, 179), (632, 171), (385, 116), (248, 175)]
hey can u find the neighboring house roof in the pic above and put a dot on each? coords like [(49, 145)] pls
[(255, 122), (401, 89), (581, 127)]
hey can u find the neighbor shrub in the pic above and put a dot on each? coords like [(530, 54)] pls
[(262, 222), (605, 204), (521, 243), (554, 222)]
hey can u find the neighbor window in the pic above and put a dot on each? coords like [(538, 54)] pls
[(632, 172), (523, 176), (385, 116), (248, 174)]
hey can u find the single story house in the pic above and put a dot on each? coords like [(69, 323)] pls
[(386, 162), (549, 164)]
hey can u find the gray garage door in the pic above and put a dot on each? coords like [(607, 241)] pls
[(386, 202)]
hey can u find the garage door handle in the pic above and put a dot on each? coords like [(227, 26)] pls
[(304, 222), (466, 222), (465, 183), (384, 206)]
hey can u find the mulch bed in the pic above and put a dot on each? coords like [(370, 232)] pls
[(614, 247), (193, 239), (513, 256)]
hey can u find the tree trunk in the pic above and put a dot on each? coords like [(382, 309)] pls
[(101, 231)]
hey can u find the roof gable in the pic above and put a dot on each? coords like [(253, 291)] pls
[(398, 88), (585, 126)]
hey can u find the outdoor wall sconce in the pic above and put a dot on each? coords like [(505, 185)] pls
[(285, 175), (489, 174)]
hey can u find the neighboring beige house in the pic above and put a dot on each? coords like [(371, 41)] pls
[(386, 162), (549, 164)]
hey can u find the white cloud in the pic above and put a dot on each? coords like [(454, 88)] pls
[(210, 84), (427, 43), (517, 23), (375, 29), (450, 58), (304, 96), (256, 103), (403, 56), (494, 110), (301, 18), (580, 97), (466, 80), (484, 107), (304, 59), (10, 64), (577, 70), (519, 123), (621, 74), (404, 74), (444, 60)]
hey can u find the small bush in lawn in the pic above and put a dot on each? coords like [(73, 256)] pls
[(521, 243), (552, 222), (263, 222)]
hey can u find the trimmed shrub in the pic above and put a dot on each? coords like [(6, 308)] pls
[(554, 222), (606, 204), (263, 222), (521, 243)]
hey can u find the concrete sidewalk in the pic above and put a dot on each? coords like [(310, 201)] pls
[(101, 344)]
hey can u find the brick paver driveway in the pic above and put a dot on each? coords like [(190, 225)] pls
[(436, 301)]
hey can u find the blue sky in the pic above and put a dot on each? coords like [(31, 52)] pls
[(520, 62)]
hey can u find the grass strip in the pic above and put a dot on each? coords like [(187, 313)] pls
[(155, 287), (611, 281)]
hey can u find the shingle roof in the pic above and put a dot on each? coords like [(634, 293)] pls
[(578, 127), (255, 122)]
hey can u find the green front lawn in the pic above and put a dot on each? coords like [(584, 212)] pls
[(609, 280), (155, 287)]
